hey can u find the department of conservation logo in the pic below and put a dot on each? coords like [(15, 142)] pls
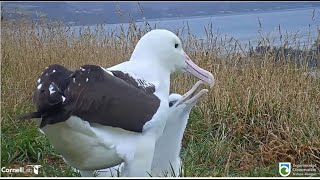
[(284, 168)]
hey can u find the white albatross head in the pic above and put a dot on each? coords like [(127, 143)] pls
[(163, 48)]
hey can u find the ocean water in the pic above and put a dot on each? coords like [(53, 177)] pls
[(300, 23)]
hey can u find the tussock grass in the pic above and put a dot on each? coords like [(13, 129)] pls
[(262, 110)]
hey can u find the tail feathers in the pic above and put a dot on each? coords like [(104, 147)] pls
[(29, 115)]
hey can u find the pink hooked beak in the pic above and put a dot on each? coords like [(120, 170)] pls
[(198, 72)]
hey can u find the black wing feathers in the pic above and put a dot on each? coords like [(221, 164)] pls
[(98, 97), (48, 96), (94, 95)]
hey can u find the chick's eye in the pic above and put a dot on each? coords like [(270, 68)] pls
[(176, 45), (171, 103)]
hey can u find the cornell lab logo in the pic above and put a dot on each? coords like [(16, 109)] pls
[(29, 169), (284, 168)]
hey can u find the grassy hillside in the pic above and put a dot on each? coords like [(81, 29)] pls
[(262, 110)]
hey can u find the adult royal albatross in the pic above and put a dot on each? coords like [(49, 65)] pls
[(97, 118)]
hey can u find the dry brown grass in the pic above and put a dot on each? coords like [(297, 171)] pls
[(258, 113)]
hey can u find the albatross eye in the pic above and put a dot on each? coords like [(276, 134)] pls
[(171, 103), (176, 45)]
